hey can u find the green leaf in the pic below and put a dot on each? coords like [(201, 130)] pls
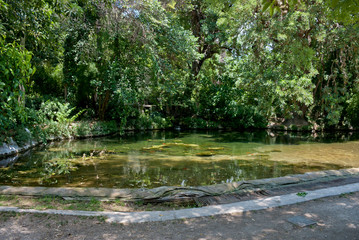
[(271, 9), (266, 5), (172, 4), (334, 3)]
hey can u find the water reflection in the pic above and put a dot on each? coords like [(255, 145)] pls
[(157, 158)]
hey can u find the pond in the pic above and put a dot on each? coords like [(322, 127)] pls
[(179, 158)]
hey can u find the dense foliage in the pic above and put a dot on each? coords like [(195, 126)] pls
[(163, 63)]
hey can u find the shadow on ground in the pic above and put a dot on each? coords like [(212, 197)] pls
[(336, 217)]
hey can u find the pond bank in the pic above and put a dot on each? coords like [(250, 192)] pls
[(169, 193), (208, 211)]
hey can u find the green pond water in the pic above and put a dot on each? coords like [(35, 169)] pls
[(173, 158)]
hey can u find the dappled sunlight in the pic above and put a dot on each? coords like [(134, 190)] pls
[(266, 231), (14, 227), (289, 212), (334, 220), (345, 154), (352, 226), (322, 225), (109, 236), (311, 215)]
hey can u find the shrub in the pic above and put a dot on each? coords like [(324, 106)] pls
[(353, 111)]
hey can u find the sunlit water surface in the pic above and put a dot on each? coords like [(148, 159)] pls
[(159, 158)]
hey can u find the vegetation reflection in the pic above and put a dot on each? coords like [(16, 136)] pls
[(155, 159)]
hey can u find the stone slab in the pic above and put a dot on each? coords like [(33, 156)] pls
[(301, 221)]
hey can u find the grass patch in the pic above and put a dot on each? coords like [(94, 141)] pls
[(5, 216), (92, 204), (346, 195), (6, 197), (302, 194)]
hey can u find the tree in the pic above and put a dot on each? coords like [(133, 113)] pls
[(16, 70), (344, 11), (290, 65)]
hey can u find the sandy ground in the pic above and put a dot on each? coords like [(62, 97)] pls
[(336, 217)]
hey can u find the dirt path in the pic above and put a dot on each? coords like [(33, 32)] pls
[(337, 218)]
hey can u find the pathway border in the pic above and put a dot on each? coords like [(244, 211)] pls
[(238, 207)]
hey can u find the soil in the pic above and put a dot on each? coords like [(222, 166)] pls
[(336, 217)]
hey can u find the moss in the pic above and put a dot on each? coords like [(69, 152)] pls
[(155, 147), (215, 148), (183, 145)]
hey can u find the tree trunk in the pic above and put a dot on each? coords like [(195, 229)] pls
[(205, 48), (65, 91), (103, 103)]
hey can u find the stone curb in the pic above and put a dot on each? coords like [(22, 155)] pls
[(238, 207), (168, 193)]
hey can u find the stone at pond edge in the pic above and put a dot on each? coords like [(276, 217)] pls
[(12, 148)]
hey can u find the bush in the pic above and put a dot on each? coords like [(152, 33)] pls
[(152, 121), (353, 111), (102, 128), (194, 123), (307, 128), (82, 129), (293, 127), (221, 102), (198, 123), (242, 117), (55, 111), (22, 136), (86, 128)]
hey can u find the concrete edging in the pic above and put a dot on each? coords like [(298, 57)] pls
[(238, 207)]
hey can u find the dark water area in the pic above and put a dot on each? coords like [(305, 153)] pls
[(179, 158)]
